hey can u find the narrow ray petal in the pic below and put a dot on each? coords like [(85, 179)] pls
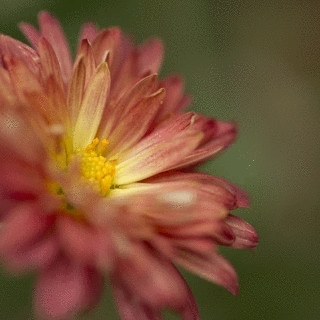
[(92, 107), (156, 158), (136, 123), (139, 91), (213, 268), (52, 31), (76, 89)]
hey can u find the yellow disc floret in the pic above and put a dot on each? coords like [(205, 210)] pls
[(96, 168)]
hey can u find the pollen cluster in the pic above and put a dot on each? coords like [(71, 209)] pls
[(95, 167)]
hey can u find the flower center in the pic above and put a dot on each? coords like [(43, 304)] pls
[(96, 168)]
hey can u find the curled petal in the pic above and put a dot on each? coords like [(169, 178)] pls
[(245, 235)]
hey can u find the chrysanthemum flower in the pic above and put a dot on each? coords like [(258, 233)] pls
[(97, 176)]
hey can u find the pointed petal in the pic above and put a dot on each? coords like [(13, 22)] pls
[(31, 33), (138, 92), (157, 158), (23, 79), (213, 268), (49, 62), (92, 107), (242, 198), (173, 127), (50, 29), (223, 136), (215, 187), (136, 123), (76, 90), (85, 53), (106, 40)]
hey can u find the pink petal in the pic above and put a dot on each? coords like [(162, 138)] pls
[(88, 31), (213, 268), (175, 99), (203, 183), (223, 136), (13, 130), (84, 244), (168, 131), (85, 52), (11, 48), (36, 256), (130, 309), (150, 55), (125, 105), (64, 289), (135, 125), (241, 196), (246, 235), (23, 226), (51, 30), (31, 33), (157, 158), (49, 61), (106, 40), (162, 288)]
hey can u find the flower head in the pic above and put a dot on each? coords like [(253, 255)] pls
[(97, 165)]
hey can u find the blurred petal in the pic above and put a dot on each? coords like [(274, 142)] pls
[(63, 289)]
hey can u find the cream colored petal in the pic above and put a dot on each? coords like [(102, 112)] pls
[(92, 107)]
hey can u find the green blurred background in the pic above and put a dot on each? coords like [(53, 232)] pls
[(255, 62)]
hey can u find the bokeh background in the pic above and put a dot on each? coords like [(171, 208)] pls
[(255, 62)]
